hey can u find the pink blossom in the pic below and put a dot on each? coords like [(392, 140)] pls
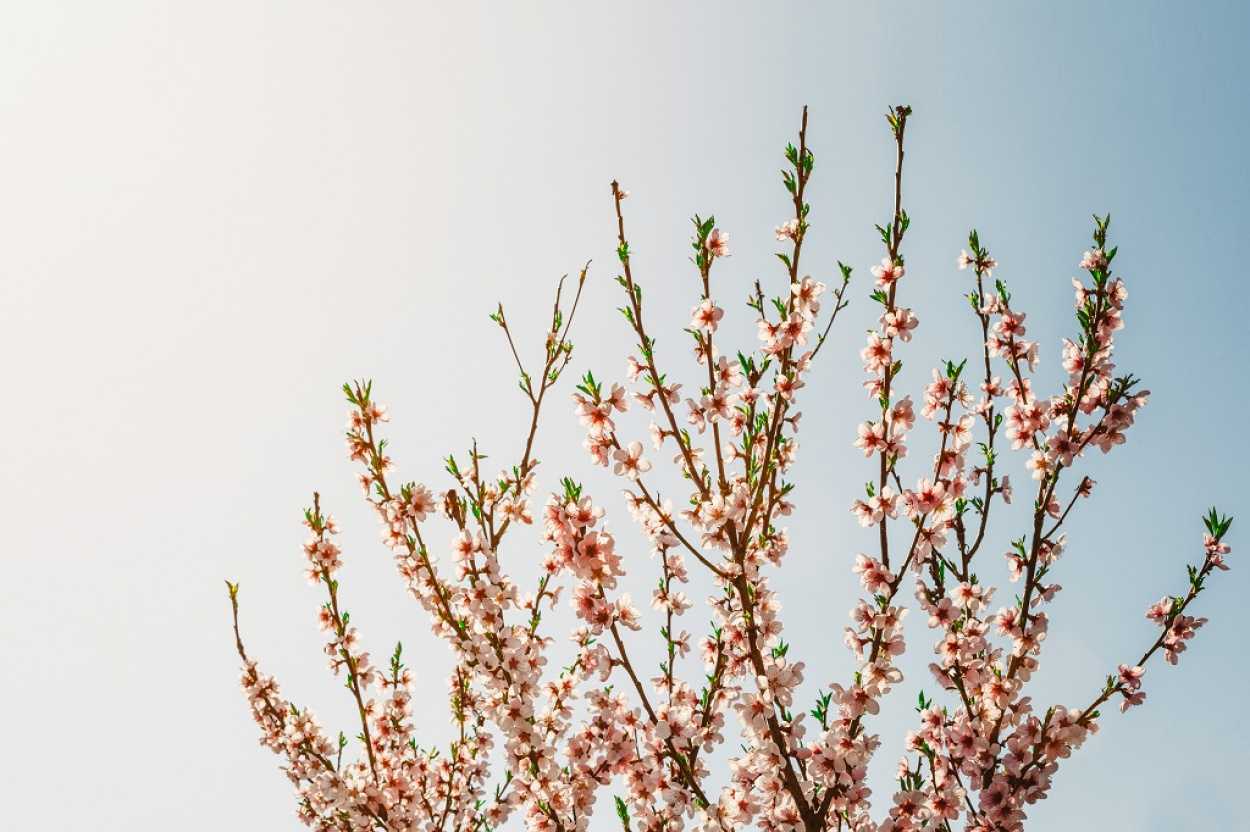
[(887, 273), (718, 243), (805, 295), (1216, 550), (1095, 259), (706, 316), (873, 575), (877, 355), (898, 323), (1159, 612), (632, 369), (629, 461), (986, 263)]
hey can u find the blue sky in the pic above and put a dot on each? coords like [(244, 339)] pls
[(213, 214)]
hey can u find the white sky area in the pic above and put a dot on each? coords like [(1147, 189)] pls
[(212, 214)]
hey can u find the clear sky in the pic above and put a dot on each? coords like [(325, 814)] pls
[(214, 213)]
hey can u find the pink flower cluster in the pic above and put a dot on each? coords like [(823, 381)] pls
[(540, 745)]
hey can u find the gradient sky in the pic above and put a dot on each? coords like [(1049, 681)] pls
[(214, 213)]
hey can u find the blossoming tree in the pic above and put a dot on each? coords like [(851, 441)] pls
[(540, 746)]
